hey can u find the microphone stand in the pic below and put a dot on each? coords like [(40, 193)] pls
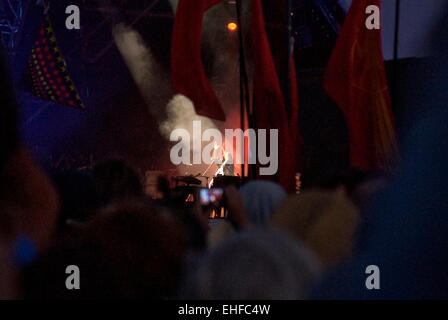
[(203, 175)]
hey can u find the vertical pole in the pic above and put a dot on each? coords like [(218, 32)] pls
[(395, 63), (290, 43), (244, 85)]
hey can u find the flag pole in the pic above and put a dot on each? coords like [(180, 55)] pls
[(395, 62), (290, 42), (244, 88)]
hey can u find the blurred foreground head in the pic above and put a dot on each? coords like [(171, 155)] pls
[(260, 264), (79, 196), (8, 141), (117, 181), (25, 191), (325, 221), (261, 199), (131, 250)]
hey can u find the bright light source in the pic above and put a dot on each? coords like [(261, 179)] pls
[(232, 26)]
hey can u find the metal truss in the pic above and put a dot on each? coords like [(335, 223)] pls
[(138, 15), (11, 18)]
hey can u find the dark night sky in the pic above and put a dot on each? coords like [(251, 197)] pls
[(417, 21)]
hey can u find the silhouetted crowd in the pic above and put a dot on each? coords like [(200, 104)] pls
[(314, 245)]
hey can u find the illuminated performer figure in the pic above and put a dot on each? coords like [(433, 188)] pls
[(224, 159)]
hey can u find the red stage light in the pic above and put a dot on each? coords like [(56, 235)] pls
[(232, 26)]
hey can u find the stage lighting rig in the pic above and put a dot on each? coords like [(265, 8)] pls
[(232, 26), (11, 18)]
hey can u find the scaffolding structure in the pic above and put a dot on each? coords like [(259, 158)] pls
[(11, 20)]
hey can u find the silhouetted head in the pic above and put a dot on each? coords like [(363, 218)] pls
[(261, 199), (129, 250), (79, 196), (325, 221), (117, 181), (259, 264)]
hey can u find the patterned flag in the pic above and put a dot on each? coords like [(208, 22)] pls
[(356, 80), (48, 70)]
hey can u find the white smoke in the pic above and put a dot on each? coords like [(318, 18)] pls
[(151, 79), (173, 4), (180, 115), (154, 85), (222, 65)]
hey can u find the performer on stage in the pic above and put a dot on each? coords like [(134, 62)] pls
[(224, 159)]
